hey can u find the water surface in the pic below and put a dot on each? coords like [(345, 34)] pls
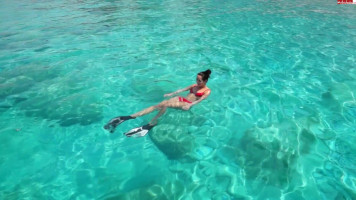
[(279, 123)]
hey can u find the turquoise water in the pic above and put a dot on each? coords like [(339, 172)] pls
[(280, 122)]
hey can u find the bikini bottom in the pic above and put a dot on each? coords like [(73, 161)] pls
[(182, 99)]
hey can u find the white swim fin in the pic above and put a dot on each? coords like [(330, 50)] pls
[(140, 131)]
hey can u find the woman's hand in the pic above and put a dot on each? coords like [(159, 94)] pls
[(168, 95), (186, 107)]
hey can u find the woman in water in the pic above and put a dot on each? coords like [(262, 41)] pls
[(198, 92)]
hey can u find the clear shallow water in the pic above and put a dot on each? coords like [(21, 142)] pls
[(280, 123)]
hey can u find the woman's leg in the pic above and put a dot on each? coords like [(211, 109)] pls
[(171, 103), (113, 123), (145, 111), (160, 113)]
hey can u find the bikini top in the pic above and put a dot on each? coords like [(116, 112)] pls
[(198, 94)]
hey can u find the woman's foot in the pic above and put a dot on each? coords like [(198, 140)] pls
[(113, 123), (153, 122)]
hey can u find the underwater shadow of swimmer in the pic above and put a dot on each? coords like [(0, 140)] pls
[(174, 141), (174, 135)]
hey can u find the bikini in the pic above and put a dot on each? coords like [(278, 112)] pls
[(198, 94), (182, 99)]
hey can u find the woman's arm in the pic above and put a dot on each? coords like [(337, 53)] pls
[(178, 91), (187, 107)]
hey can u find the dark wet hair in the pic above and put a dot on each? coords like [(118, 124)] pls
[(205, 74)]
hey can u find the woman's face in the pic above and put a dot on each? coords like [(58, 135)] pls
[(200, 81)]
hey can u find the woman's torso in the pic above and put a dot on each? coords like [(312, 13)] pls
[(196, 93)]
